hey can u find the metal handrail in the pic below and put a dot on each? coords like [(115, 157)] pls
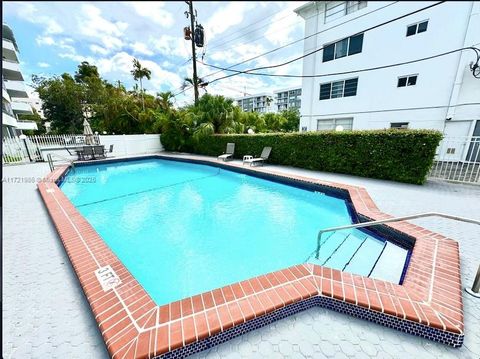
[(51, 161), (396, 219)]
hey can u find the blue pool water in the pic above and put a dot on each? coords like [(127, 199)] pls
[(182, 229)]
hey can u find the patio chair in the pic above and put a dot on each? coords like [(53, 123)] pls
[(259, 160), (228, 153), (78, 152), (88, 153), (109, 151), (99, 151)]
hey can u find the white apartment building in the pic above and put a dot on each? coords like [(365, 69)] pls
[(287, 98), (14, 93), (262, 103), (432, 94)]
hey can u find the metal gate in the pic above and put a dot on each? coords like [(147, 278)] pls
[(458, 160), (16, 150)]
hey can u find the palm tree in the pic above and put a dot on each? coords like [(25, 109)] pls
[(164, 100), (187, 81), (139, 72)]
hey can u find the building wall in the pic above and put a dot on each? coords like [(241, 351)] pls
[(14, 92), (256, 103), (287, 98), (377, 90)]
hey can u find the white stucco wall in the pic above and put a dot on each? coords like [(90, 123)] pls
[(441, 81)]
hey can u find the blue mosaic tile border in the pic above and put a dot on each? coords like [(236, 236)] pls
[(406, 326), (241, 329)]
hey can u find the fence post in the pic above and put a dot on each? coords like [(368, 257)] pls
[(475, 290)]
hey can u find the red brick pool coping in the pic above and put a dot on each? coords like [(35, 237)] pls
[(133, 326)]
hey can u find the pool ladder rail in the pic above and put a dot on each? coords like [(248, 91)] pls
[(475, 287), (51, 164)]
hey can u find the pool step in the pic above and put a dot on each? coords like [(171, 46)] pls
[(345, 251), (390, 264), (359, 253), (328, 247), (365, 258)]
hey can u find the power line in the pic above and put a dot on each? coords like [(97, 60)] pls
[(250, 32), (307, 18), (302, 39), (322, 47), (394, 109), (253, 23), (347, 72)]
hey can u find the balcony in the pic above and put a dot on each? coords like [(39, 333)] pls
[(5, 94), (8, 120), (26, 125), (16, 89), (8, 50), (11, 70), (21, 107)]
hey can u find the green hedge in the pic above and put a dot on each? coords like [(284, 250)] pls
[(398, 155)]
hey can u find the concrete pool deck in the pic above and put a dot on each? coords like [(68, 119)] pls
[(454, 199)]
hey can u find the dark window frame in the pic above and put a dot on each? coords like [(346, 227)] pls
[(417, 28), (406, 81), (330, 50), (399, 125), (352, 89)]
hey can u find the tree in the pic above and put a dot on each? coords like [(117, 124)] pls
[(292, 120), (85, 71), (139, 72), (62, 102), (35, 117), (164, 100)]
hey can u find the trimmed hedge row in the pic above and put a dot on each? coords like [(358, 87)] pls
[(398, 155)]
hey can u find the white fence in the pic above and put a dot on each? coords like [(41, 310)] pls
[(36, 148), (458, 160)]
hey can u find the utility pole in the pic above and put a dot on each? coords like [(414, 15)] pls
[(194, 57)]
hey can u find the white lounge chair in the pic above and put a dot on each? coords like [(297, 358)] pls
[(259, 160), (228, 153)]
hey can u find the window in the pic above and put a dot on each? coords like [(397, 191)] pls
[(417, 28), (399, 125), (344, 88), (332, 123), (350, 87), (404, 81), (329, 53), (341, 48), (336, 10), (349, 46), (337, 89), (325, 90), (353, 6), (356, 43)]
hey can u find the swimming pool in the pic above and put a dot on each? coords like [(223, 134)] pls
[(182, 229)]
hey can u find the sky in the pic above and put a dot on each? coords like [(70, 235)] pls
[(54, 37)]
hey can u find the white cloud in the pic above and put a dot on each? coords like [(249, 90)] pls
[(155, 12), (98, 49), (77, 57), (226, 17), (171, 46), (122, 63), (282, 27), (141, 48), (43, 64), (44, 40), (92, 24), (30, 13)]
